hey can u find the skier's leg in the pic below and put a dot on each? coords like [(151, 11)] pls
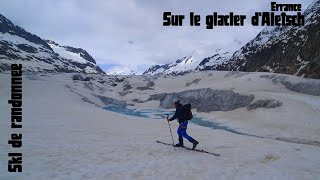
[(180, 137), (183, 131), (185, 135)]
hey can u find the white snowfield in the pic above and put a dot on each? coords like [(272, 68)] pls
[(33, 63), (191, 62), (65, 137), (68, 54)]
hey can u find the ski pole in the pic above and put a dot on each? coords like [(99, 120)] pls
[(170, 129)]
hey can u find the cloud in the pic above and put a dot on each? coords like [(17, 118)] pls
[(130, 33)]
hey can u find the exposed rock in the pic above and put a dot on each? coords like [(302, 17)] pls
[(101, 81), (27, 48), (148, 87), (196, 81), (111, 101), (205, 100), (77, 77), (149, 78), (201, 59), (137, 101), (236, 74), (127, 87), (4, 67), (119, 80), (150, 84), (89, 86), (268, 103), (19, 45), (124, 93), (280, 49), (268, 76), (102, 89), (144, 88), (231, 73), (311, 87), (83, 53), (283, 49)]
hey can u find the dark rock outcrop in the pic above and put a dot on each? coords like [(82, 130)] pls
[(287, 50), (205, 100), (111, 101), (281, 49), (311, 87), (268, 103)]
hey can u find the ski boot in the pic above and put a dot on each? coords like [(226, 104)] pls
[(180, 144), (195, 143)]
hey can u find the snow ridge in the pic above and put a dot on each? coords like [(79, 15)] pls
[(200, 59), (37, 55)]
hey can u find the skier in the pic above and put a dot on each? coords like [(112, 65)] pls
[(183, 123)]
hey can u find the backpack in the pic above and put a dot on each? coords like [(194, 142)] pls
[(187, 114)]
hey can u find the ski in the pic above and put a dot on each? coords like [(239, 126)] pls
[(198, 150)]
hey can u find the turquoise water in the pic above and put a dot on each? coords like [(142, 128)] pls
[(161, 115)]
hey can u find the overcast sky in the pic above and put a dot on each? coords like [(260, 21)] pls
[(128, 34)]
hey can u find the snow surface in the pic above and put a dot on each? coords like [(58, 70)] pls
[(67, 54), (17, 40), (271, 35), (65, 137), (33, 64), (191, 61), (89, 69), (43, 59), (266, 38)]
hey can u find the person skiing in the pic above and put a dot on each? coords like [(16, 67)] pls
[(183, 123)]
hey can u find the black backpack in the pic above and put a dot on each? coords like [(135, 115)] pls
[(187, 114)]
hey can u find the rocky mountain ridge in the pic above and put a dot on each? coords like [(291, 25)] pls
[(37, 55)]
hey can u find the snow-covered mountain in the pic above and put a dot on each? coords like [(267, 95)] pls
[(38, 55), (288, 50), (120, 71), (201, 59)]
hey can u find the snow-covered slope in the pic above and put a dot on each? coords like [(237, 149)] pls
[(289, 50), (201, 59), (66, 53), (38, 55), (66, 135), (121, 71)]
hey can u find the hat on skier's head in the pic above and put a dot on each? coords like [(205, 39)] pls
[(176, 100)]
